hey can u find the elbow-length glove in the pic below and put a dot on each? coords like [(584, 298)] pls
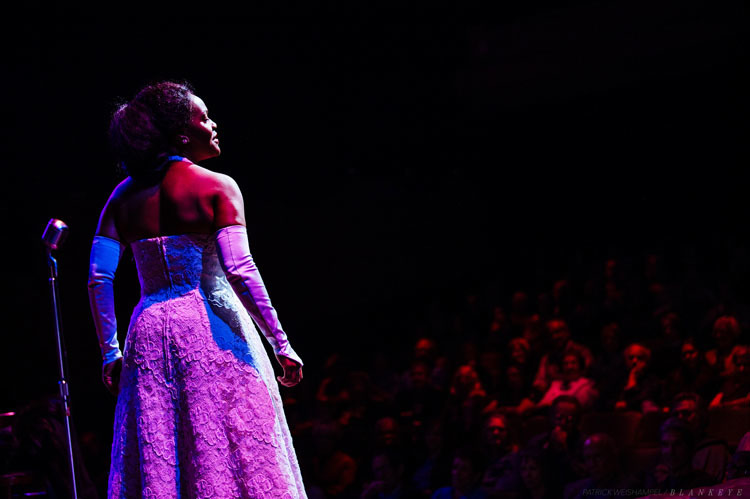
[(105, 256), (243, 275)]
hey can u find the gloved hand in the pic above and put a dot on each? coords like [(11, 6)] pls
[(105, 256), (243, 275), (292, 372), (111, 376)]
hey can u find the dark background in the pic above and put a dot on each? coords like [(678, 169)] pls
[(387, 164)]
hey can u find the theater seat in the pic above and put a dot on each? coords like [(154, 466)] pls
[(622, 426), (641, 460), (728, 424), (648, 429)]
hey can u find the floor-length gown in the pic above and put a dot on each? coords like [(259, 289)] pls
[(199, 412)]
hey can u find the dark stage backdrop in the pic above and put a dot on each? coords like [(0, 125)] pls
[(386, 165)]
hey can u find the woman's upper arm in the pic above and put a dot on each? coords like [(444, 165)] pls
[(107, 226), (229, 207)]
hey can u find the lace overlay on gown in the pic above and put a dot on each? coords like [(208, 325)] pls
[(199, 413)]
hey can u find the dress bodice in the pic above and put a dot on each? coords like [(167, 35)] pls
[(171, 266)]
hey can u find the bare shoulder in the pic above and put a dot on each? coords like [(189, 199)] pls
[(216, 182), (223, 195), (107, 226), (121, 191)]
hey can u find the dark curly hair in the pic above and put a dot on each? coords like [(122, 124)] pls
[(143, 132)]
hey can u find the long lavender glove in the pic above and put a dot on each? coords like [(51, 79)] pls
[(243, 275), (105, 256)]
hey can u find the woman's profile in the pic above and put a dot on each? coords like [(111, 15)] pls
[(198, 410)]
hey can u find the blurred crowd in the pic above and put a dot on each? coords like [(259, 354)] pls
[(625, 380)]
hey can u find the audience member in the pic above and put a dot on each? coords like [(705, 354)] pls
[(692, 375), (421, 399), (603, 468), (466, 400), (433, 464), (333, 471), (466, 474), (726, 333), (642, 389), (519, 355), (490, 370), (711, 454), (534, 471), (387, 434), (388, 477), (666, 346), (675, 470), (608, 368), (735, 391), (550, 365), (572, 382), (562, 446), (502, 474), (739, 466)]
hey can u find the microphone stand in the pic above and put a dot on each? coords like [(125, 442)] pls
[(61, 356)]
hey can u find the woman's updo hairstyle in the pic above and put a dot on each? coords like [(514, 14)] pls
[(143, 132)]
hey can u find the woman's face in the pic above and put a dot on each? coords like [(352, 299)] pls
[(200, 140), (571, 367)]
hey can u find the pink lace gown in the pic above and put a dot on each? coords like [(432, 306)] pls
[(199, 413)]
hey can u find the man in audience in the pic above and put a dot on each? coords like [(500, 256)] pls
[(692, 375), (676, 470), (502, 471), (562, 447), (711, 454), (466, 475), (602, 464)]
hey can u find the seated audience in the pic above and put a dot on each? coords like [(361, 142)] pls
[(562, 447), (550, 367), (534, 471), (333, 471), (711, 454), (466, 477), (735, 391), (466, 401), (388, 477), (641, 391), (501, 475), (608, 368), (603, 468), (693, 374), (420, 400), (676, 469), (726, 332), (433, 461), (572, 383)]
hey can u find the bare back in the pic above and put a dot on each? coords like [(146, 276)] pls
[(189, 199)]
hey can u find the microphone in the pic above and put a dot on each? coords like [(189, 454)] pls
[(54, 234)]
